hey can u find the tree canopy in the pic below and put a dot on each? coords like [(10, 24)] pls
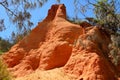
[(106, 12), (18, 12)]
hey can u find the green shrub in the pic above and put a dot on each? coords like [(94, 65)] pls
[(115, 49), (5, 45), (1, 52), (4, 74)]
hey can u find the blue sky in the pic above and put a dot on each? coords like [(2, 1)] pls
[(38, 14)]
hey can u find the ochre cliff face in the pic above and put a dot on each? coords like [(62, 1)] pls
[(88, 60), (59, 50)]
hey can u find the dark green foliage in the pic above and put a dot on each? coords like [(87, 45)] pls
[(115, 49), (107, 15), (5, 45)]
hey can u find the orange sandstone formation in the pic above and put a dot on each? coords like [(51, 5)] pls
[(59, 50)]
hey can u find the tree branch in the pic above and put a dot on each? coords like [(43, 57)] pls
[(1, 3)]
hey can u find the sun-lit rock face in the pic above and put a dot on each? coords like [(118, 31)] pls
[(89, 60), (48, 46), (59, 50)]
